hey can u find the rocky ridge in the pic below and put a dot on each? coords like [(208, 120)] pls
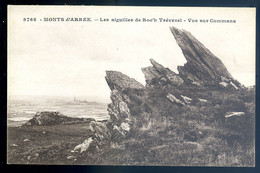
[(202, 66), (203, 69), (131, 110)]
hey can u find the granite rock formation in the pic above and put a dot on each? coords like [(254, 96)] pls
[(202, 67), (130, 99)]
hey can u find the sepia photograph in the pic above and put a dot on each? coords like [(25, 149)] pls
[(136, 86)]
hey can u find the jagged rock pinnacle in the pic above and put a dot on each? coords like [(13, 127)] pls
[(202, 66)]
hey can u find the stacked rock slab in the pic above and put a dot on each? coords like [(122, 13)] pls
[(157, 74), (202, 67), (120, 116), (119, 125)]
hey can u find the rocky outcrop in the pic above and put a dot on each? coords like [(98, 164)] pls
[(114, 130), (122, 87), (202, 67), (119, 81), (53, 118), (159, 75), (128, 97)]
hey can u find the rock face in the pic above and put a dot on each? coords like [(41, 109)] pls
[(118, 81), (118, 126), (160, 75), (53, 118), (120, 115), (202, 66)]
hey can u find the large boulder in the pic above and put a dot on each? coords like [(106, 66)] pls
[(53, 118)]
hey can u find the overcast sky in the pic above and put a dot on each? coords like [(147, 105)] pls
[(70, 58)]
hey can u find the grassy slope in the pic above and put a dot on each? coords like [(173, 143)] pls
[(46, 144), (168, 131), (164, 134)]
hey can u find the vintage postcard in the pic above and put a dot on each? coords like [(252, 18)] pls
[(153, 86)]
